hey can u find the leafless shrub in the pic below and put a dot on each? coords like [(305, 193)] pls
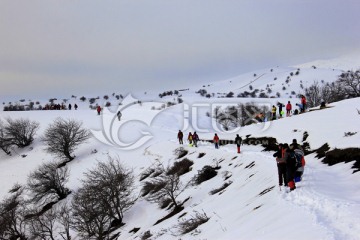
[(180, 152), (192, 223), (13, 224), (5, 141), (146, 173), (180, 167), (146, 235), (21, 131), (206, 173), (217, 190), (43, 226), (164, 186), (47, 183), (350, 81), (63, 137), (100, 204)]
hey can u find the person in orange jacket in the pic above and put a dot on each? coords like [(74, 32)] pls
[(216, 141)]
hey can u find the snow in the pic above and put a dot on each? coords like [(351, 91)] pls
[(325, 205)]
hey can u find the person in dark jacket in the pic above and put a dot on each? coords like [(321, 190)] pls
[(119, 115), (69, 106), (195, 138), (280, 105), (180, 137), (281, 165), (290, 160), (238, 141), (75, 106)]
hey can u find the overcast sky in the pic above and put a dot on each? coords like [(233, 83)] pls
[(58, 48)]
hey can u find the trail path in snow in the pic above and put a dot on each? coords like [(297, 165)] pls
[(324, 192)]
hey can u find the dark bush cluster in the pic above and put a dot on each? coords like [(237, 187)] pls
[(240, 115), (18, 132), (206, 173), (192, 223), (180, 167)]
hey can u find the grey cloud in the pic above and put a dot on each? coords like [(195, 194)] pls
[(133, 44)]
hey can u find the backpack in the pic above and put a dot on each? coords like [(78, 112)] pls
[(300, 160)]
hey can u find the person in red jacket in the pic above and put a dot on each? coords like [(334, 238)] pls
[(216, 141), (288, 109), (303, 102), (98, 109)]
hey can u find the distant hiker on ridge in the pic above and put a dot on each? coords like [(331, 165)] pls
[(190, 139), (180, 137), (216, 141), (238, 141), (98, 109), (288, 109), (119, 115), (195, 138)]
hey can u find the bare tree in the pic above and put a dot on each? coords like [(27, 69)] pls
[(89, 218), (5, 142), (47, 183), (106, 194), (351, 82), (114, 187), (43, 226), (20, 131), (64, 218), (13, 224), (166, 186), (64, 136)]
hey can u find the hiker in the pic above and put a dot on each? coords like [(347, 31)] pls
[(238, 141), (216, 141), (300, 161), (180, 137), (322, 104), (290, 160), (69, 106), (260, 117), (98, 109), (303, 103), (296, 145), (273, 111), (288, 109), (119, 115), (75, 106), (190, 138), (195, 138), (280, 109), (281, 165)]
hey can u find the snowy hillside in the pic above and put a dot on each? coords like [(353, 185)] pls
[(243, 200)]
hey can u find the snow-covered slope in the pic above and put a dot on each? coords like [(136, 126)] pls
[(325, 204)]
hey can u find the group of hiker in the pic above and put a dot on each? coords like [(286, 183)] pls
[(290, 163), (59, 107), (193, 139), (272, 115)]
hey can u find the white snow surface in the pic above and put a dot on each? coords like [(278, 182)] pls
[(325, 205)]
